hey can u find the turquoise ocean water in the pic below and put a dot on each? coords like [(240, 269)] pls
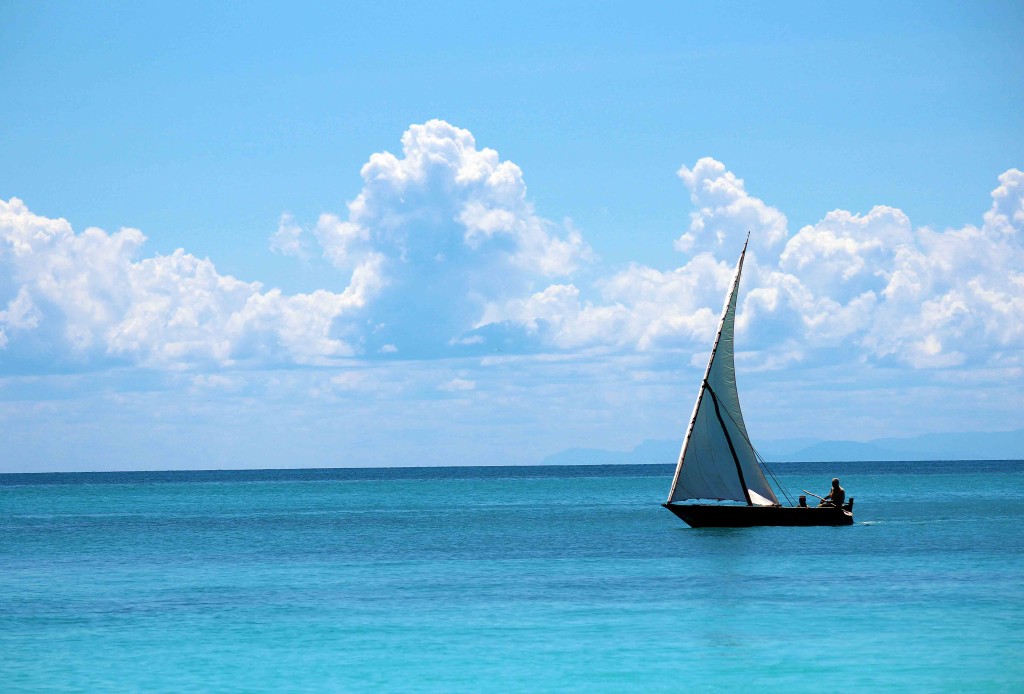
[(506, 579)]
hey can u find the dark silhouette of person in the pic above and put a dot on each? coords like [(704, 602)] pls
[(836, 496)]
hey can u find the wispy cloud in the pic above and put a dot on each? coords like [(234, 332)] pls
[(289, 239)]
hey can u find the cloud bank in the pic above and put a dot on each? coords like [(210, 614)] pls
[(443, 251), (850, 287), (86, 298)]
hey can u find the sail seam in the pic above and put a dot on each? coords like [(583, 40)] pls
[(728, 440), (760, 459)]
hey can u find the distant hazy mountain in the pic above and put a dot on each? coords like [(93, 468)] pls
[(1002, 445)]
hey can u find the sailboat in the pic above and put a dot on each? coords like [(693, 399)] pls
[(719, 480)]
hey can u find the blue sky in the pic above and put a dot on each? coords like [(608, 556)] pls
[(413, 234)]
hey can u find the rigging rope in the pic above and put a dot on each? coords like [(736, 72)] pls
[(760, 460), (775, 479)]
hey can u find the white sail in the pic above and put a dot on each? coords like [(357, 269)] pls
[(716, 453)]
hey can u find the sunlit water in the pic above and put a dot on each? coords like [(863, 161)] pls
[(505, 579)]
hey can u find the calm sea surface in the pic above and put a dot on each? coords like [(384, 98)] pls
[(506, 579)]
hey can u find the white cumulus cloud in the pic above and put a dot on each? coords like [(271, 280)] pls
[(449, 227), (445, 198), (853, 286), (444, 253), (725, 211), (89, 292)]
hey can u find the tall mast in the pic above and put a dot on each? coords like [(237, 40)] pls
[(704, 388)]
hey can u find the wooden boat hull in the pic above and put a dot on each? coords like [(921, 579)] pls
[(716, 516)]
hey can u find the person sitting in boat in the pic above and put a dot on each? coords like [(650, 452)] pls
[(836, 496)]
